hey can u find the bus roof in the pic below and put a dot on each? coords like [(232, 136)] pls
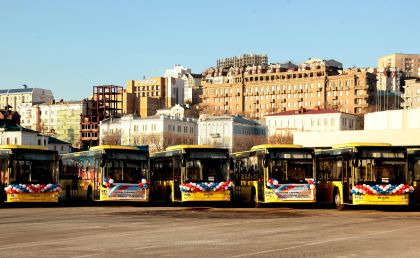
[(184, 146), (114, 147), (274, 146), (22, 147), (359, 144)]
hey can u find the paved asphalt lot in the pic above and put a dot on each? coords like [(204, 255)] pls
[(127, 231)]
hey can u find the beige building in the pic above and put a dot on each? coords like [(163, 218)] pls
[(145, 96), (256, 91), (16, 98), (409, 64), (411, 95), (243, 60), (58, 119)]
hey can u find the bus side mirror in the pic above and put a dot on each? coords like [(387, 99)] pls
[(102, 163), (10, 164)]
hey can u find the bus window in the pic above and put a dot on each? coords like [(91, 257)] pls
[(205, 170), (417, 170)]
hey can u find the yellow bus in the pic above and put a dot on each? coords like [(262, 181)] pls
[(28, 174), (363, 174), (274, 173), (414, 172), (191, 173), (106, 173)]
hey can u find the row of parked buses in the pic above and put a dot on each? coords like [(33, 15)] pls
[(347, 174)]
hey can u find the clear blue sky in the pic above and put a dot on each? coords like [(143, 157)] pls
[(70, 46)]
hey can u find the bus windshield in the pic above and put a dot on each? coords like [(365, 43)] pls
[(380, 172), (126, 171), (290, 171), (33, 172), (206, 170)]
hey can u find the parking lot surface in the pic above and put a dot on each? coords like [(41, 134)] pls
[(127, 231)]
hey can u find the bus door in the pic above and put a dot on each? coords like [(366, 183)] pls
[(176, 168), (262, 177), (414, 168), (97, 179), (347, 179), (236, 177)]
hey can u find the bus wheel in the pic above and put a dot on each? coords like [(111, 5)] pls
[(337, 200), (89, 196), (254, 201)]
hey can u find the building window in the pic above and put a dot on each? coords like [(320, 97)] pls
[(39, 141)]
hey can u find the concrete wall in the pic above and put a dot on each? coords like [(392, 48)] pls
[(393, 120), (406, 137)]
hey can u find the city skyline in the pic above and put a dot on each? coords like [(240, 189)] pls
[(70, 47)]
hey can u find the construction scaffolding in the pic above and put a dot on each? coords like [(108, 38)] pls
[(106, 102)]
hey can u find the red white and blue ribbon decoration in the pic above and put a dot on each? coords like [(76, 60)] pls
[(144, 184), (108, 182), (381, 189), (205, 186), (32, 188)]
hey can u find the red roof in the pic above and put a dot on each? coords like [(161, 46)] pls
[(306, 112)]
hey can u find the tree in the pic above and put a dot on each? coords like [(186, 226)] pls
[(112, 138)]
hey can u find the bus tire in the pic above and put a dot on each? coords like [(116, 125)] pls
[(89, 196), (68, 193), (254, 201), (337, 200)]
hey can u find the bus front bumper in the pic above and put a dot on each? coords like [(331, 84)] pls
[(33, 197), (400, 199)]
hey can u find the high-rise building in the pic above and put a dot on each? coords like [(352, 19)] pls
[(258, 90), (411, 95), (409, 64), (144, 97), (243, 60)]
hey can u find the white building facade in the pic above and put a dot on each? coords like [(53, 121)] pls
[(322, 120), (232, 132), (397, 127), (183, 85), (16, 98), (158, 131)]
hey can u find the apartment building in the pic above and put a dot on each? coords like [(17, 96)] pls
[(243, 60), (145, 96), (256, 91), (58, 119), (408, 64), (16, 98), (411, 95)]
